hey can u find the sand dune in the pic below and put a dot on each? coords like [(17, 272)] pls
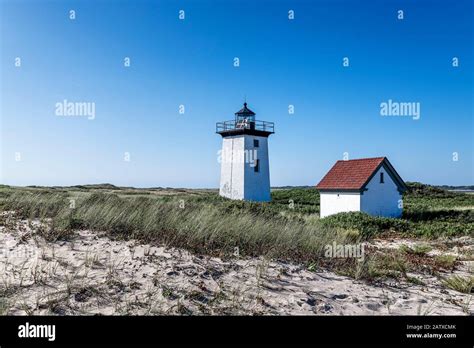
[(93, 274)]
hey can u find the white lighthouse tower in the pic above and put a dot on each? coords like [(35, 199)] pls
[(245, 172)]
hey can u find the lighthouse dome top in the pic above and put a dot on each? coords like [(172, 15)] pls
[(245, 111)]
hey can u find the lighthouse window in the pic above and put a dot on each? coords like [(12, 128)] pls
[(381, 178), (256, 169), (255, 143)]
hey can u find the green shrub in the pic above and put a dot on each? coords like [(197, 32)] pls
[(418, 189), (367, 225), (465, 216), (461, 284), (446, 261), (375, 265), (435, 229), (418, 249)]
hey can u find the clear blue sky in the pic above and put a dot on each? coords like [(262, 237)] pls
[(190, 62)]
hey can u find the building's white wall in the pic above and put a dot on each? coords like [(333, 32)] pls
[(257, 184), (338, 202), (238, 177), (381, 199), (232, 171)]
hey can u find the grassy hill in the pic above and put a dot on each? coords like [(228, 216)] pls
[(201, 221), (174, 214)]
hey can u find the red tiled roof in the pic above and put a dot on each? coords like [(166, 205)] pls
[(350, 175)]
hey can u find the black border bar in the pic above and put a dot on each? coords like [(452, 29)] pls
[(224, 331)]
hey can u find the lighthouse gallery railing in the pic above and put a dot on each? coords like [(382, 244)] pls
[(234, 125)]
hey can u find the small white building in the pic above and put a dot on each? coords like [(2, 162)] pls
[(369, 185), (245, 170)]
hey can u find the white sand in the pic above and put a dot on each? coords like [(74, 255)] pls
[(92, 274)]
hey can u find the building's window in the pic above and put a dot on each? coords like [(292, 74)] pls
[(381, 178), (255, 143), (256, 169)]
